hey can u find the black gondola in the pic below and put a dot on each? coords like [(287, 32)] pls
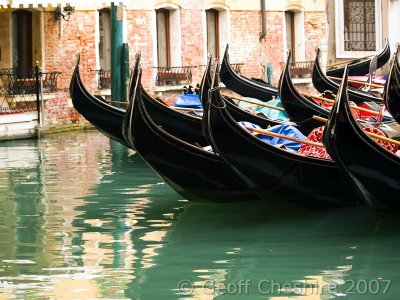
[(242, 85), (391, 95), (193, 172), (299, 109), (236, 112), (189, 128), (307, 181), (374, 171), (362, 67), (181, 125), (105, 117), (323, 83), (108, 119)]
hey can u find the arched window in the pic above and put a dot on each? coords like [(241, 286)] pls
[(22, 39)]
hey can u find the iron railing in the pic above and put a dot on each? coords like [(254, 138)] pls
[(359, 25), (18, 88), (103, 78), (300, 68), (164, 75), (174, 75)]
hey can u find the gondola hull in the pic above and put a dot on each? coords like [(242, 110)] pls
[(196, 174), (242, 85), (181, 125), (299, 109), (311, 182), (391, 96), (362, 67), (236, 112), (315, 183), (323, 83), (374, 170), (108, 119), (105, 117)]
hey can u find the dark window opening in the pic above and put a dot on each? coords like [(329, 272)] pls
[(105, 39), (212, 17), (163, 38), (22, 39), (290, 33)]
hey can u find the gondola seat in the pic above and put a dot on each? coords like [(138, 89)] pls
[(388, 146), (315, 151), (188, 101)]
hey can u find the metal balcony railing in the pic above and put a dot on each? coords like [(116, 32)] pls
[(103, 79), (300, 68), (164, 75), (16, 81), (174, 75), (18, 87)]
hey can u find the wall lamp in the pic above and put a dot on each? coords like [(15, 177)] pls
[(65, 13)]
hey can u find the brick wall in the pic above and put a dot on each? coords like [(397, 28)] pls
[(78, 36), (244, 45), (273, 45), (315, 29), (59, 111), (62, 44), (192, 42), (140, 39)]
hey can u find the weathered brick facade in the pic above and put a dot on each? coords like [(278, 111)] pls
[(315, 29), (140, 39), (63, 44), (63, 40)]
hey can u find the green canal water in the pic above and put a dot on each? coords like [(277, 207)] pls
[(82, 217)]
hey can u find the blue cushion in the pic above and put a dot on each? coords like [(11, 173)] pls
[(188, 100), (286, 130)]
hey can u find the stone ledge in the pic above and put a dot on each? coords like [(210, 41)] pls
[(304, 80), (64, 128)]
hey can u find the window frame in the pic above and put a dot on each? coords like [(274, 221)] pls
[(167, 21), (106, 59), (223, 27), (297, 29), (175, 34), (339, 32), (22, 34), (215, 16)]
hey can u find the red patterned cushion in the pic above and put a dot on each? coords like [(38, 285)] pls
[(389, 146), (356, 112), (320, 152), (309, 150)]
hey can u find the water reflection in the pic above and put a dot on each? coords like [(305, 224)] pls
[(245, 250), (74, 209), (85, 218)]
